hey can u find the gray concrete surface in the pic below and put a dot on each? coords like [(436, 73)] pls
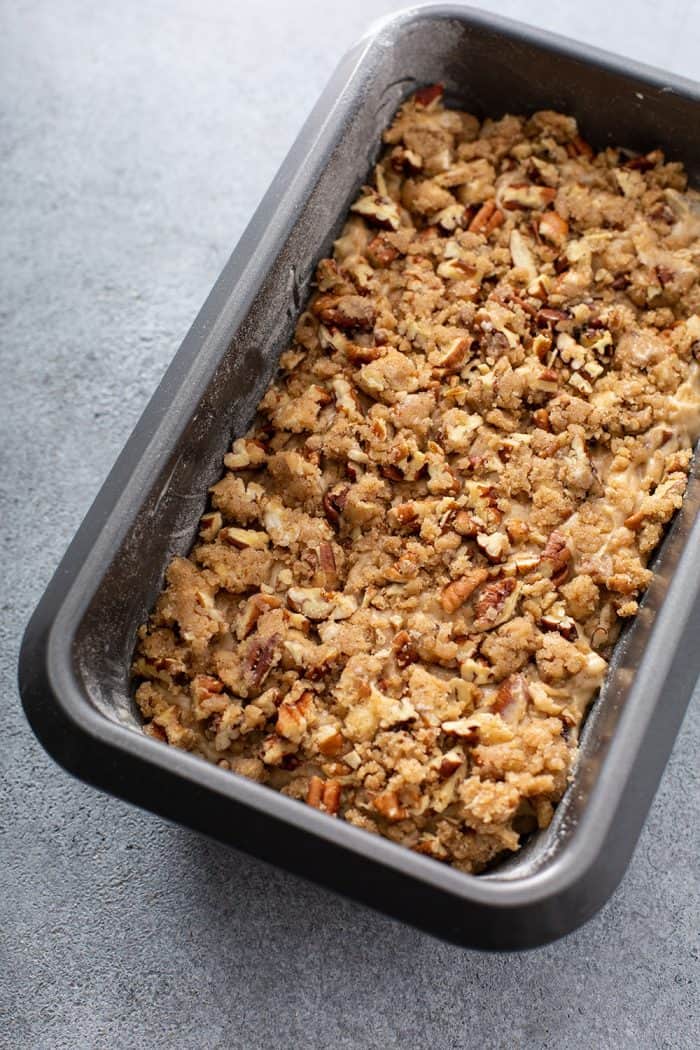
[(135, 141)]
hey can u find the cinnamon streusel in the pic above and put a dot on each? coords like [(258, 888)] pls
[(415, 566)]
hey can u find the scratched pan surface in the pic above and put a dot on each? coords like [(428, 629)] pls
[(77, 649)]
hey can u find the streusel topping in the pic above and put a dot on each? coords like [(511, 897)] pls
[(413, 571)]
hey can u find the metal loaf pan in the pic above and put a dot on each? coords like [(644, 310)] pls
[(74, 669)]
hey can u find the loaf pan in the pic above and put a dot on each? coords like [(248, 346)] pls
[(74, 667)]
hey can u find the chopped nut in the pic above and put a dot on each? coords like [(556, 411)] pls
[(455, 594), (526, 195), (254, 609), (345, 311), (404, 650), (496, 603), (483, 217), (555, 558), (292, 717), (242, 538), (317, 604), (209, 526), (389, 806), (553, 227), (495, 546), (565, 625), (330, 741), (334, 501), (451, 761), (379, 210), (464, 728), (429, 94)]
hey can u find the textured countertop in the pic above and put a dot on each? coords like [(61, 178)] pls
[(136, 140)]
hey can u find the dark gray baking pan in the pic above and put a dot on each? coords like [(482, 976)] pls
[(74, 668)]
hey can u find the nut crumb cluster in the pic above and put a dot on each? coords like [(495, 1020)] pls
[(408, 584)]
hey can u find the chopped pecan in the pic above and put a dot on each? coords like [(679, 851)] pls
[(553, 227), (511, 699), (496, 603), (380, 252), (550, 315), (578, 147), (455, 594), (317, 604), (555, 558), (326, 561), (465, 524), (242, 538), (405, 516), (426, 95), (466, 729), (451, 761), (526, 195), (362, 355), (292, 717), (379, 210), (389, 806), (334, 501), (454, 357), (565, 625), (495, 546), (209, 526), (261, 655), (253, 610), (483, 217), (404, 650), (345, 311)]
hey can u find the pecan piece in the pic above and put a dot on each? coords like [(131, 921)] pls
[(344, 311), (334, 501), (482, 221), (553, 227), (330, 741), (324, 794), (456, 354), (495, 546), (405, 516), (242, 538), (326, 562), (496, 603), (455, 594), (379, 210), (511, 699), (464, 728), (555, 558), (527, 195), (389, 806), (578, 147), (425, 95), (380, 251), (261, 655), (565, 625), (209, 525), (254, 608), (404, 650), (451, 761), (465, 524), (292, 720), (363, 354)]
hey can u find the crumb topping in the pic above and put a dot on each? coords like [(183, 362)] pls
[(413, 571)]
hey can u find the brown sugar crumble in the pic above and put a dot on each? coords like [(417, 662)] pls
[(415, 566)]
